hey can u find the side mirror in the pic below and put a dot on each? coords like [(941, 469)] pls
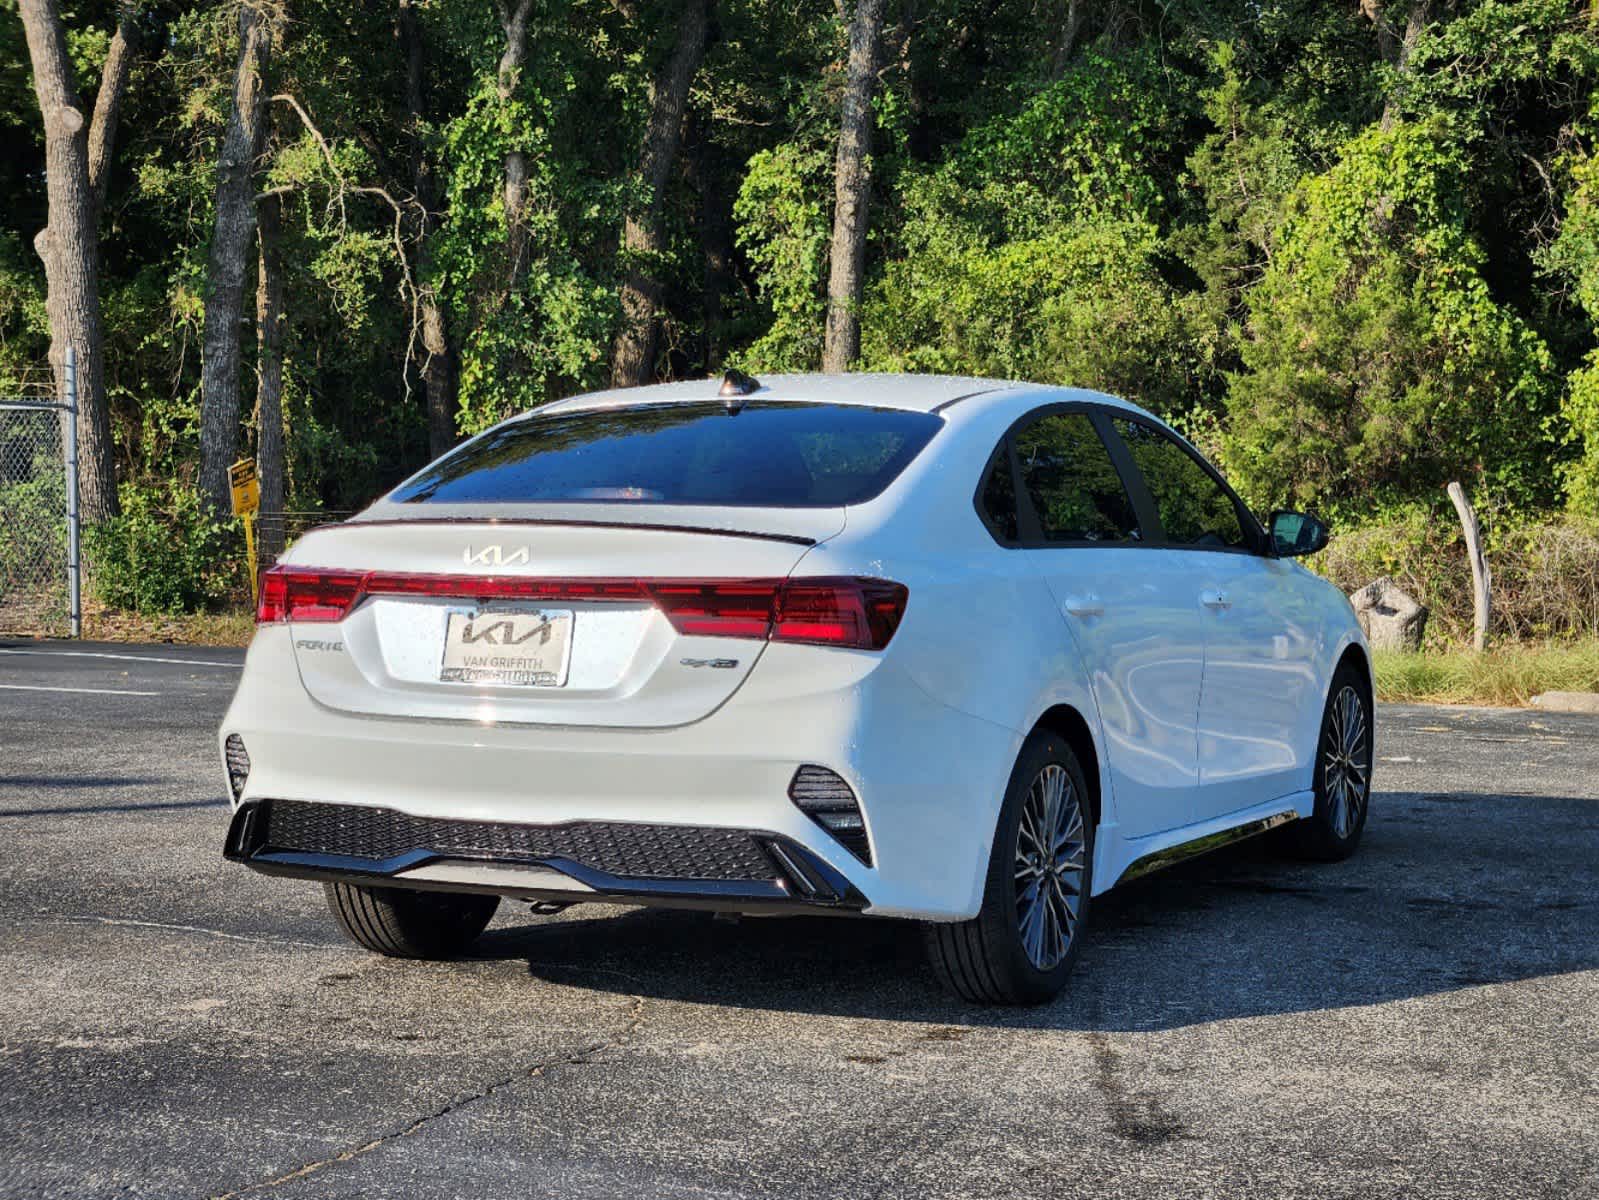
[(1294, 535)]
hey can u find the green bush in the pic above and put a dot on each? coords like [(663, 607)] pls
[(164, 554), (1376, 355)]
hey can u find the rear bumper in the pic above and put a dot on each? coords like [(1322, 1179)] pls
[(929, 778), (686, 866)]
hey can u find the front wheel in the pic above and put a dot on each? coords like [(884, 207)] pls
[(404, 923), (1344, 754), (1020, 947)]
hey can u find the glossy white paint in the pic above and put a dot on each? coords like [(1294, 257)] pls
[(1200, 717), (1141, 639)]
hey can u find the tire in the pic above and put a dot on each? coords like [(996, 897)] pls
[(403, 923), (1342, 782), (988, 959)]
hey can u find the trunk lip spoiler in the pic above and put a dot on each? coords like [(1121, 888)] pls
[(793, 539)]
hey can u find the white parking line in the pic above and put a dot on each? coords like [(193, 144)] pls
[(182, 662), (28, 687)]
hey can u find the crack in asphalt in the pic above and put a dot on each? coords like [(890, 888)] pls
[(579, 1057), (169, 927)]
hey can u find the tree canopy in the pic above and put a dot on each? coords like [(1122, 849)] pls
[(1349, 246)]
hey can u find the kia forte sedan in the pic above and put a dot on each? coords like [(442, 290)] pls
[(952, 650)]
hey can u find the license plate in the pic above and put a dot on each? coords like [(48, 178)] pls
[(508, 648)]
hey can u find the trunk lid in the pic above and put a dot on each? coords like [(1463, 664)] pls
[(593, 648)]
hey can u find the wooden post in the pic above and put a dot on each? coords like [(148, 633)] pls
[(1481, 580)]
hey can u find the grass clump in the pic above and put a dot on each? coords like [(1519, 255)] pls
[(1510, 675)]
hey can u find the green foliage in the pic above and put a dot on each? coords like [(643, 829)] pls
[(24, 328), (535, 329), (784, 221), (165, 553), (1082, 304), (1033, 250), (1350, 278), (1581, 411), (1244, 171), (1376, 357), (1574, 256)]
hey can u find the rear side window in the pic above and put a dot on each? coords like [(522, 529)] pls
[(770, 454), (999, 497), (1076, 491), (1194, 509)]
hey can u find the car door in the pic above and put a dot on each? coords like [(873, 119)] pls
[(1260, 633), (1120, 599)]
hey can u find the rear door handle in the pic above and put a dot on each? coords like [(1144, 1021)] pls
[(1215, 598), (1085, 606)]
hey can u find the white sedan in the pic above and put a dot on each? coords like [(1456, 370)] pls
[(955, 650)]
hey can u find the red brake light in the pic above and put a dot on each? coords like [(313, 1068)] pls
[(852, 612), (299, 594)]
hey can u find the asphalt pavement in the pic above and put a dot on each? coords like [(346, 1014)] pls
[(1422, 1020)]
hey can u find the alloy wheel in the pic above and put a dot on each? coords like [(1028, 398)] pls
[(1346, 762), (1050, 865)]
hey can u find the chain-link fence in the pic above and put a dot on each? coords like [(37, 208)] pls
[(275, 532), (39, 561)]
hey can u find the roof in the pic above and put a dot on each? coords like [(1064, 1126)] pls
[(920, 393)]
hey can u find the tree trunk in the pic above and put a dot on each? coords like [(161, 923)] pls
[(514, 23), (1394, 48), (633, 355), (437, 359), (269, 322), (69, 246), (852, 184), (1481, 577), (108, 101), (1071, 28), (714, 225), (231, 240), (1415, 24), (1376, 11)]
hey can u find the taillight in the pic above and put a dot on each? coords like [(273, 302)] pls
[(717, 608), (299, 594), (858, 613), (848, 611), (863, 613)]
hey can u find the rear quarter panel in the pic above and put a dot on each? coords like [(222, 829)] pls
[(981, 633)]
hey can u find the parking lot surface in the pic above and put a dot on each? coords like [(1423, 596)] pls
[(1422, 1020)]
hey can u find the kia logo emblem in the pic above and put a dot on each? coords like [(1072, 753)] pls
[(495, 556)]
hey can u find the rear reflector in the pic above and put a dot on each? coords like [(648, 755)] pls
[(847, 611)]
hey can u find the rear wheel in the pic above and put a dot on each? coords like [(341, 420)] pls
[(403, 923), (1343, 774), (1021, 946)]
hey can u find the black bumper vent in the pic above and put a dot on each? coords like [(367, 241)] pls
[(634, 851), (827, 799), (238, 764)]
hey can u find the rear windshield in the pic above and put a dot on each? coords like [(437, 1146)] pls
[(769, 454)]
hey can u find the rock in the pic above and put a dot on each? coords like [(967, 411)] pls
[(1572, 702), (1392, 619)]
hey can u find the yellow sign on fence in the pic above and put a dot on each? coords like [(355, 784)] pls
[(246, 503)]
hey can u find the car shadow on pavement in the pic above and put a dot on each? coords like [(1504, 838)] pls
[(1447, 892)]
